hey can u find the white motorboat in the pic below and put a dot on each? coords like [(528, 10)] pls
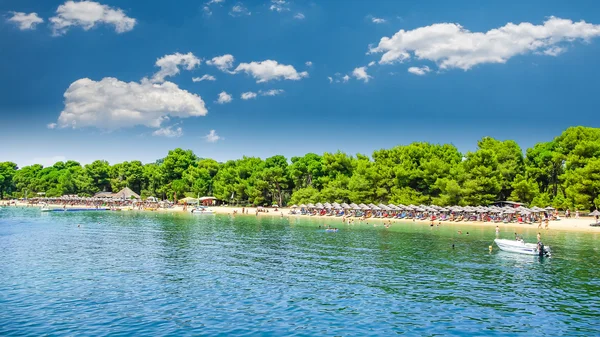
[(202, 210), (45, 208), (520, 247)]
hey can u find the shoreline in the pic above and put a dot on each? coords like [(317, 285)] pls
[(572, 225)]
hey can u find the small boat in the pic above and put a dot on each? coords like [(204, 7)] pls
[(520, 247), (202, 210)]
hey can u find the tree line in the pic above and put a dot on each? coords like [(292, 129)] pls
[(564, 172)]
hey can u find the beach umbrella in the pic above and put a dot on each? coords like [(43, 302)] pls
[(303, 206), (345, 205), (310, 206), (319, 205), (353, 205), (509, 211), (595, 213), (327, 205), (549, 208), (294, 206)]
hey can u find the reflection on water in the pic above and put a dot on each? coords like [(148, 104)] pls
[(150, 274)]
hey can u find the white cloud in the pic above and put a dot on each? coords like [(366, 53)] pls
[(330, 79), (169, 65), (377, 20), (224, 98), (270, 70), (206, 7), (452, 46), (47, 161), (372, 63), (299, 16), (272, 92), (25, 21), (112, 104), (169, 132), (361, 74), (248, 95), (419, 71), (554, 51), (279, 5), (308, 64), (223, 62), (346, 78), (212, 137), (88, 14), (239, 10), (205, 77), (51, 125)]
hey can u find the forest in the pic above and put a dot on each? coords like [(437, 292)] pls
[(563, 173)]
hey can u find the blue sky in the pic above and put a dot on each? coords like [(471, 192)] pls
[(433, 82)]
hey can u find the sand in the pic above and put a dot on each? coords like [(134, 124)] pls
[(574, 225)]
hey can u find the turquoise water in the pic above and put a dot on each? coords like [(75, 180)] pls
[(153, 274)]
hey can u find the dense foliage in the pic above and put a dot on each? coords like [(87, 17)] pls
[(563, 173)]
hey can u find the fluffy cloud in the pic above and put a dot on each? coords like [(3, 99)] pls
[(346, 78), (360, 73), (372, 63), (205, 77), (88, 14), (224, 98), (554, 51), (169, 132), (272, 92), (25, 21), (169, 65), (270, 70), (248, 95), (223, 62), (279, 5), (452, 46), (419, 71), (239, 10), (212, 137), (378, 20), (330, 79), (299, 16), (215, 2), (112, 104), (308, 64), (251, 95), (51, 125)]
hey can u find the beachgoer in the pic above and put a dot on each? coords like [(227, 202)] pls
[(459, 232), (467, 233), (576, 213), (540, 224), (539, 237), (497, 230), (547, 223)]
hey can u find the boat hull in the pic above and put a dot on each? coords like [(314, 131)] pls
[(520, 247)]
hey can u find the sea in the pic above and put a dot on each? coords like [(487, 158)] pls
[(159, 274)]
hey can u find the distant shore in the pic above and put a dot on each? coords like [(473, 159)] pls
[(574, 225)]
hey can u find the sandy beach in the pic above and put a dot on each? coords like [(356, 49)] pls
[(574, 225)]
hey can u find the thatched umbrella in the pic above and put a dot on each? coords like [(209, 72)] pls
[(595, 213)]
